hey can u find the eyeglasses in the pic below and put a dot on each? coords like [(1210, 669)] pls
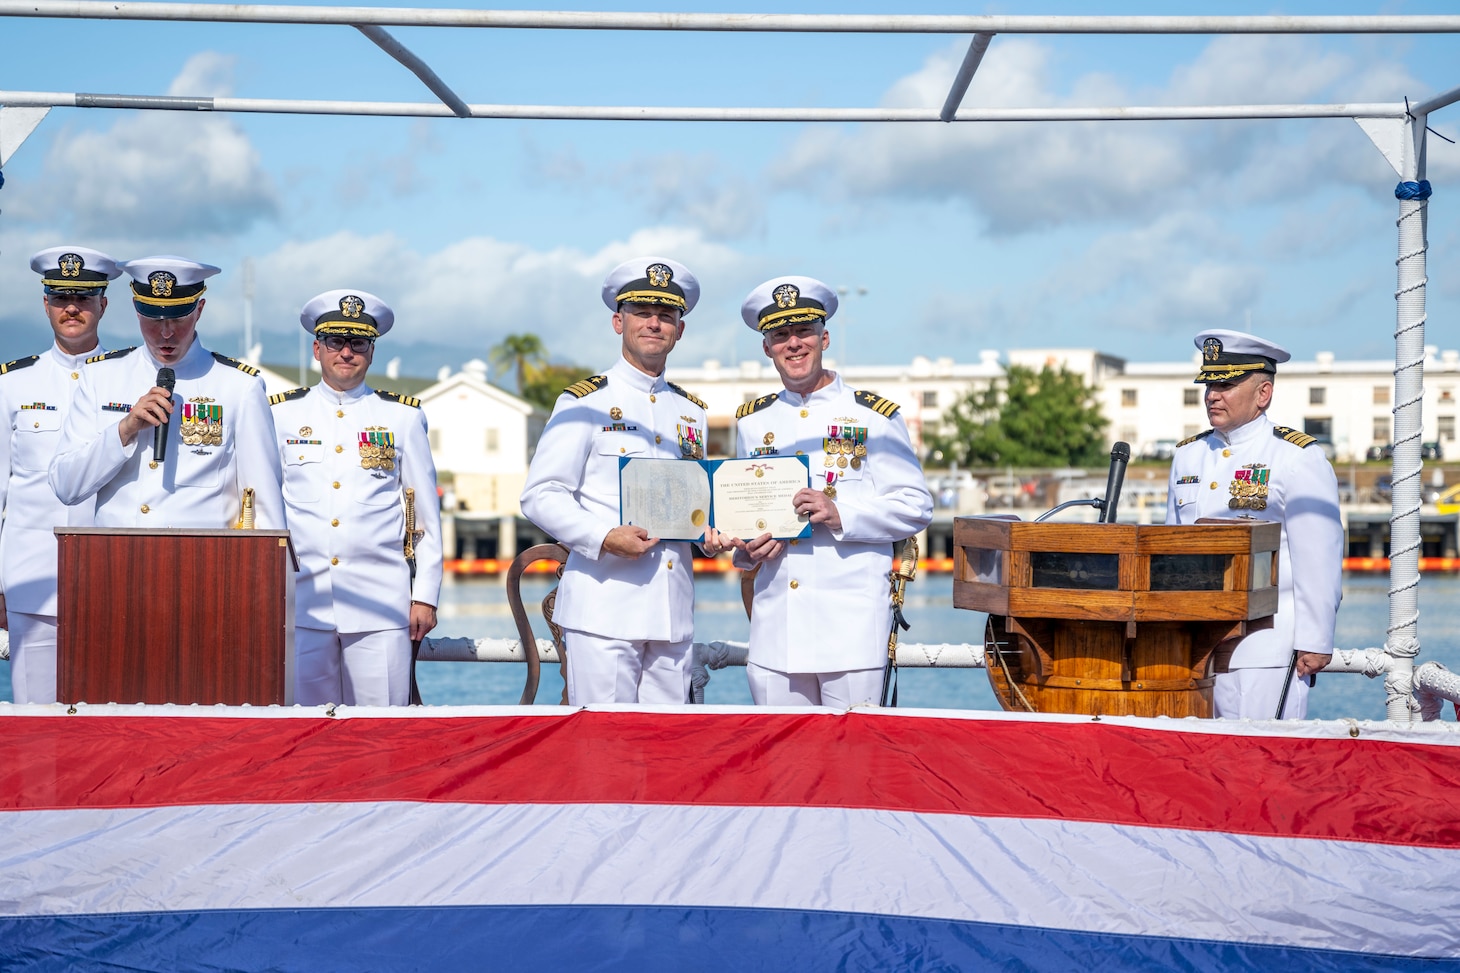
[(65, 300), (335, 342)]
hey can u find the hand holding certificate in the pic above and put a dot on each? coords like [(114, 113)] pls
[(677, 499)]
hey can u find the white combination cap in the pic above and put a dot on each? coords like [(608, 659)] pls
[(784, 301), (651, 280), (352, 313)]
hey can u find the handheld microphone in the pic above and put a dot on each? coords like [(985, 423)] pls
[(1119, 456), (166, 379)]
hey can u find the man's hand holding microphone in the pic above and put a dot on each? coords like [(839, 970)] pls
[(153, 409)]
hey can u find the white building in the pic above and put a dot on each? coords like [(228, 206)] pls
[(1347, 403)]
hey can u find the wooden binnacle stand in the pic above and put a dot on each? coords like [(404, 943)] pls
[(1112, 619)]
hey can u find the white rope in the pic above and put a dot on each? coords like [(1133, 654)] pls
[(1433, 684)]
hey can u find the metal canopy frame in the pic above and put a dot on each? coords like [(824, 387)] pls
[(1398, 130)]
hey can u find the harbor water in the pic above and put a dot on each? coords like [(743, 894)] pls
[(477, 608)]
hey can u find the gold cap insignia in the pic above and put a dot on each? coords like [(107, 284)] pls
[(71, 264), (659, 275), (162, 283), (786, 295), (1211, 349), (351, 306)]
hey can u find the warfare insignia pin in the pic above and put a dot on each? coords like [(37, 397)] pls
[(162, 283), (351, 306), (71, 264), (659, 274), (786, 295)]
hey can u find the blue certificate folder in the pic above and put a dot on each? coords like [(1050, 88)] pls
[(676, 499)]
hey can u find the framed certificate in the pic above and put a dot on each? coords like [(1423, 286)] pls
[(676, 499)]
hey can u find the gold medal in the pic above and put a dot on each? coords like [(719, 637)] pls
[(860, 450), (856, 462), (830, 462), (846, 447), (841, 462), (830, 491)]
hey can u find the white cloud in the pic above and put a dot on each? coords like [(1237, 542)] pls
[(1026, 176), (467, 295), (164, 173)]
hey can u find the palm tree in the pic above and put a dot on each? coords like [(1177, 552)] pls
[(518, 353)]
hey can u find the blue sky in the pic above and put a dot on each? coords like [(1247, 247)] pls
[(1126, 237)]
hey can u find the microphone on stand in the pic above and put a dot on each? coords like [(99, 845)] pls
[(166, 379), (1119, 456)]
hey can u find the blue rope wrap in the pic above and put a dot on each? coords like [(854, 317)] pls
[(1413, 190)]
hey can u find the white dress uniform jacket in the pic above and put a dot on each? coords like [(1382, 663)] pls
[(1209, 471), (572, 494), (199, 484), (824, 605), (348, 458), (35, 397)]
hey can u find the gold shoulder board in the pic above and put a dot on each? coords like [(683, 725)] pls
[(11, 366), (589, 385), (119, 353), (755, 405), (1288, 435), (1191, 439), (290, 395), (409, 400), (235, 363), (693, 398), (879, 405)]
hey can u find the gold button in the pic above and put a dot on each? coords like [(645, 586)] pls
[(339, 449), (804, 413), (1214, 484), (334, 560), (335, 522), (37, 425), (152, 465), (337, 484), (75, 374), (340, 413), (800, 452), (671, 565), (1226, 452), (652, 399), (795, 583), (146, 509), (622, 450), (656, 438), (794, 542), (301, 455)]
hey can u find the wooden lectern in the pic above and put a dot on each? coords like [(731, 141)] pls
[(175, 616), (1112, 619)]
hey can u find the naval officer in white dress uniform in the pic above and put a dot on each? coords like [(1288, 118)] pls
[(35, 396), (626, 601), (822, 609), (350, 453), (219, 436), (1244, 466)]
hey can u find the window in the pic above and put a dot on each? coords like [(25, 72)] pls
[(1319, 429), (1317, 395), (434, 438), (1381, 395), (1189, 430), (1128, 398), (1381, 430), (1129, 434), (930, 400), (491, 440), (1447, 428), (1191, 396), (1447, 396)]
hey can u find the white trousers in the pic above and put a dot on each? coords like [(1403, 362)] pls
[(1252, 694), (353, 668), (604, 670), (842, 690), (32, 657)]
